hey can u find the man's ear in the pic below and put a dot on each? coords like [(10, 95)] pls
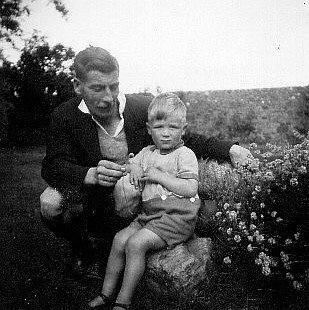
[(184, 128), (148, 128), (77, 86)]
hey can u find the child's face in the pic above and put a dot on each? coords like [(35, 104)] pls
[(166, 133)]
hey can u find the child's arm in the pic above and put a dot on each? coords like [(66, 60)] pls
[(133, 167), (179, 186), (136, 174)]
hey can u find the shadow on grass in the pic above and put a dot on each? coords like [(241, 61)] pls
[(32, 259)]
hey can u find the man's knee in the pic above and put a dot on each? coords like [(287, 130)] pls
[(51, 202)]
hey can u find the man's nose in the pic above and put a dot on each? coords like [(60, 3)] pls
[(107, 95)]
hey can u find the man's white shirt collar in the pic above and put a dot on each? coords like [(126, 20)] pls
[(122, 104)]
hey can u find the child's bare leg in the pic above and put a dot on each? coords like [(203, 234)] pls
[(136, 247), (116, 260), (115, 264)]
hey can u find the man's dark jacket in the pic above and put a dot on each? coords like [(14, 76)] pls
[(73, 148)]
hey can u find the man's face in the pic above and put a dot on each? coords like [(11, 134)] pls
[(99, 91), (166, 133)]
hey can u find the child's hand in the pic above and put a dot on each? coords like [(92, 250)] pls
[(136, 174), (152, 174)]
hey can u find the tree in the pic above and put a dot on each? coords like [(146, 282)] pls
[(38, 82), (12, 10)]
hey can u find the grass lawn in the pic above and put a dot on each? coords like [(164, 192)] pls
[(32, 259)]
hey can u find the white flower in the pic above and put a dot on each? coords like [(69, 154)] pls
[(259, 238), (284, 257), (278, 161), (273, 263), (286, 156), (258, 261), (297, 285), (262, 205), (253, 215), (266, 270), (302, 169), (242, 225), (256, 233), (252, 226), (269, 176), (288, 275), (229, 231), (225, 206), (237, 238), (287, 266), (249, 248), (296, 236), (252, 145), (273, 213), (271, 240), (232, 215), (257, 188), (218, 214), (293, 182), (238, 205), (288, 241), (227, 260), (250, 238)]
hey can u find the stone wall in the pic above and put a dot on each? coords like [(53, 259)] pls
[(267, 112)]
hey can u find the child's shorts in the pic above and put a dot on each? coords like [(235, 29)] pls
[(172, 219)]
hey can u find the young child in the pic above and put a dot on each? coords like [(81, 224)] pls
[(167, 173)]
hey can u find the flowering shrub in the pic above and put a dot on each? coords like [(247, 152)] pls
[(261, 224)]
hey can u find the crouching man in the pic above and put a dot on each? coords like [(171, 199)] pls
[(88, 143)]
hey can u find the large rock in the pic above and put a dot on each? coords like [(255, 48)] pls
[(177, 273)]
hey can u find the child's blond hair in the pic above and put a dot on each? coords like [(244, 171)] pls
[(164, 105)]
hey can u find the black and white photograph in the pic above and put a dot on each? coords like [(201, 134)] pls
[(154, 154)]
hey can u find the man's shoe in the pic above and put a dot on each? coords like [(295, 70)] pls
[(94, 271)]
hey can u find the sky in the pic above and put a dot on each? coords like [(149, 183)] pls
[(187, 44)]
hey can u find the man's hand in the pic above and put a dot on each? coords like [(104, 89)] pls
[(107, 173), (240, 156)]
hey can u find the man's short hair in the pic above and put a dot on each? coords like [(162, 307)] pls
[(164, 105), (94, 59)]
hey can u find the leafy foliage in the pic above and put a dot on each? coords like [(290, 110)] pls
[(12, 10), (37, 83), (260, 226)]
